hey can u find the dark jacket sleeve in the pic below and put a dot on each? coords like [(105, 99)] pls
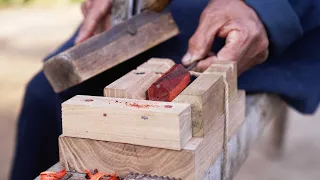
[(282, 19)]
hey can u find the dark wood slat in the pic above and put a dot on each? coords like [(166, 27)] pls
[(109, 49)]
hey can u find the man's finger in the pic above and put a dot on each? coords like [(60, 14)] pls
[(200, 43), (236, 46), (85, 7), (95, 14), (204, 64)]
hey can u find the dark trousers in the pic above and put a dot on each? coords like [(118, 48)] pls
[(39, 123)]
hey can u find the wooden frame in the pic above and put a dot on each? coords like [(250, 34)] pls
[(261, 109), (207, 100)]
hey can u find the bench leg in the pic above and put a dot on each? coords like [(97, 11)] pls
[(278, 134)]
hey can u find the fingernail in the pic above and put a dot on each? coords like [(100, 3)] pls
[(186, 59), (77, 40)]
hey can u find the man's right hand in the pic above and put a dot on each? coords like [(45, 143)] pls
[(96, 18)]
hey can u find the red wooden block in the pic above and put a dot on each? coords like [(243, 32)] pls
[(170, 84)]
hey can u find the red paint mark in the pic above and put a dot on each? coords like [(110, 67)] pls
[(88, 100), (170, 84), (167, 106), (136, 105), (105, 114), (144, 117)]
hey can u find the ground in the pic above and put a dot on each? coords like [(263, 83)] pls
[(28, 34)]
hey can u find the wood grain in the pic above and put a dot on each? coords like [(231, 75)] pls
[(189, 163), (140, 122), (133, 85), (230, 68), (158, 65), (109, 49), (206, 96), (260, 110)]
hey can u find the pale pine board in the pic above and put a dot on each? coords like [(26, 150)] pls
[(206, 96), (133, 85), (140, 122)]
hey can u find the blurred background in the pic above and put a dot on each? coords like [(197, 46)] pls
[(30, 29)]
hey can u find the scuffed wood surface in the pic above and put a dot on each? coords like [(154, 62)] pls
[(109, 49), (260, 110), (190, 163), (139, 122)]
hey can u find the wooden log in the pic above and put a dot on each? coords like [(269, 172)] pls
[(133, 85), (170, 84), (140, 122), (109, 49), (189, 163)]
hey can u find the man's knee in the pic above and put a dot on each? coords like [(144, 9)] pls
[(40, 103)]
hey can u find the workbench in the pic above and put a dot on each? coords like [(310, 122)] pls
[(261, 110)]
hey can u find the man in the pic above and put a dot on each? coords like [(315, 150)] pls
[(273, 41)]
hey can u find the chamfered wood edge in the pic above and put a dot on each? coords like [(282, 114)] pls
[(61, 73), (71, 74)]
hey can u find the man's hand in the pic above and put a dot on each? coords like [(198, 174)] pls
[(96, 18), (246, 37)]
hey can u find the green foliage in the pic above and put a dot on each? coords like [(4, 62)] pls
[(25, 2)]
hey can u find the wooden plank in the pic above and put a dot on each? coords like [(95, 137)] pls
[(109, 49), (189, 163), (133, 85), (140, 122), (206, 96)]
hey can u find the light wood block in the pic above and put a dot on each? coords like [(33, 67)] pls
[(109, 49), (206, 96), (230, 68), (158, 65), (140, 122), (133, 85), (190, 163)]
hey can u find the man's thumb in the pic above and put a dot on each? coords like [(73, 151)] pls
[(201, 42), (198, 49)]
